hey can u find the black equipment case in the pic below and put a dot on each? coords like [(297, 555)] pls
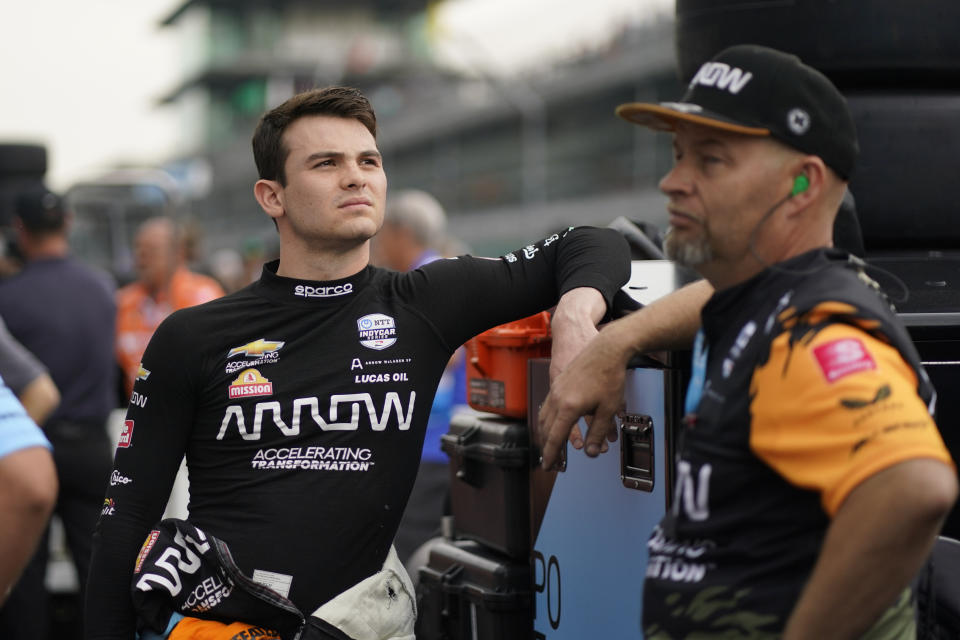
[(469, 592), (489, 481)]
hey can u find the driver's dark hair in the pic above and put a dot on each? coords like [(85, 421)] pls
[(269, 152)]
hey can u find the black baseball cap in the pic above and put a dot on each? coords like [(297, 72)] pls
[(39, 209), (760, 91)]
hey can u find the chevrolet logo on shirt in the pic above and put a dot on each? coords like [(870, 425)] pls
[(256, 348)]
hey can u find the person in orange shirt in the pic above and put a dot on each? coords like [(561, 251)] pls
[(164, 284)]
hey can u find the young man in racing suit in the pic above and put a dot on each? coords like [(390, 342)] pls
[(811, 480), (301, 401)]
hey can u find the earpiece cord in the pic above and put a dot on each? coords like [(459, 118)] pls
[(861, 265), (864, 266)]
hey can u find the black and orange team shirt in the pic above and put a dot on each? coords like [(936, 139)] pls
[(301, 407), (811, 386)]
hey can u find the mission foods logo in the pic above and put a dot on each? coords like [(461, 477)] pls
[(377, 331), (250, 383)]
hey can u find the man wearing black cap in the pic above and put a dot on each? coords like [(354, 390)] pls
[(811, 480), (63, 312)]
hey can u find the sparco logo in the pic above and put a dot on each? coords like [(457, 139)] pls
[(323, 292)]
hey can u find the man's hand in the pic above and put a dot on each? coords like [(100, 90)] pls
[(573, 325), (592, 385), (40, 397)]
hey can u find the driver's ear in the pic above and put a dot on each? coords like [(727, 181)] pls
[(269, 193)]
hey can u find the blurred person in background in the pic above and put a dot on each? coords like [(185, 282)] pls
[(164, 284), (28, 492), (414, 234), (414, 228), (255, 251), (27, 377), (63, 312), (226, 266), (191, 238)]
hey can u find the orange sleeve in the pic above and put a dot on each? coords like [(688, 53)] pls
[(132, 333), (197, 629), (829, 413), (188, 289), (205, 289)]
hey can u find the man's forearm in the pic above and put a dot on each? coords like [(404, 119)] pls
[(665, 324), (876, 543), (579, 308), (29, 492), (668, 323), (574, 323), (40, 398)]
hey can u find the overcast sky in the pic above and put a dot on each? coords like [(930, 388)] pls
[(83, 77)]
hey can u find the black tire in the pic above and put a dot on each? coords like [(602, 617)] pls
[(857, 43), (847, 234), (22, 160), (906, 172)]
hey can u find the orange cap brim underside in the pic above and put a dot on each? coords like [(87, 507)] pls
[(663, 118)]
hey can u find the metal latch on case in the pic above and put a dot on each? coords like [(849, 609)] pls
[(636, 451), (461, 457)]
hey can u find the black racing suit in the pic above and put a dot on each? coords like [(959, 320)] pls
[(302, 407)]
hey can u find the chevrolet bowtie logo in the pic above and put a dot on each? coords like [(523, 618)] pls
[(256, 348)]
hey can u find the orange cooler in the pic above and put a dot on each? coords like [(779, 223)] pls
[(497, 364)]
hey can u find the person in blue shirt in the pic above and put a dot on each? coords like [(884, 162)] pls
[(28, 488)]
